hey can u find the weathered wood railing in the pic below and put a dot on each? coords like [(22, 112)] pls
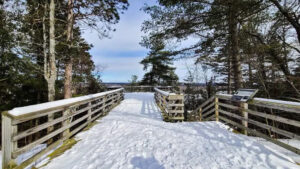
[(171, 104), (141, 88), (255, 117), (50, 123)]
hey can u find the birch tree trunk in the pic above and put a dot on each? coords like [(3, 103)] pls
[(52, 64), (69, 63)]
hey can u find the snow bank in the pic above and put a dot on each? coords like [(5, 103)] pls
[(134, 136), (44, 106)]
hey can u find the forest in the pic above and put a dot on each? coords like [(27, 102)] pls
[(245, 44), (43, 54), (234, 44)]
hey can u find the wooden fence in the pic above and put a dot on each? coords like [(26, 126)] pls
[(141, 88), (51, 123), (171, 105), (266, 118)]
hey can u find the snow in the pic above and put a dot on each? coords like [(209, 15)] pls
[(44, 106), (133, 135), (277, 101), (276, 148), (25, 156), (165, 93)]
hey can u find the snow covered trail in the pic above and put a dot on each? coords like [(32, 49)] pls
[(134, 136)]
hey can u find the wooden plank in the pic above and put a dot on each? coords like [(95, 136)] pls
[(229, 106), (17, 121), (50, 147), (208, 113), (36, 113), (7, 143), (217, 108), (224, 96), (52, 122), (175, 105), (47, 137), (200, 114), (231, 114), (254, 132), (208, 107), (276, 106), (262, 125), (205, 103), (210, 117), (175, 111), (51, 127), (274, 117), (37, 128), (53, 145), (244, 106)]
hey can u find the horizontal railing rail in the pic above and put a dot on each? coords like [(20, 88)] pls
[(51, 123), (143, 88), (171, 104), (267, 118)]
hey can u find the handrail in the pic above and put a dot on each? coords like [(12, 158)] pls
[(72, 115), (171, 104), (165, 93), (225, 109)]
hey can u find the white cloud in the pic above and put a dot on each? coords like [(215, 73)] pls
[(113, 53)]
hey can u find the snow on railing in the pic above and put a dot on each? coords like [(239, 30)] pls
[(51, 123), (262, 116), (171, 104)]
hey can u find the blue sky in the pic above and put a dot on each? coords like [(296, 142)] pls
[(120, 55)]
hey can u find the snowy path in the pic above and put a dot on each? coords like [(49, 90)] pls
[(134, 136)]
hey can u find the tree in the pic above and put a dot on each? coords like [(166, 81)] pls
[(133, 80), (158, 62), (89, 12), (213, 23)]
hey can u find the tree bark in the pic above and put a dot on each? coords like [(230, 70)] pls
[(229, 79), (69, 59), (50, 71), (234, 48)]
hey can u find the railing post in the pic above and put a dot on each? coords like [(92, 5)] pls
[(244, 106), (8, 145), (217, 108), (200, 114), (66, 121), (90, 110), (50, 129)]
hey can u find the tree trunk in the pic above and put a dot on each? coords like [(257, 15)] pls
[(229, 80), (69, 63), (234, 49), (50, 64)]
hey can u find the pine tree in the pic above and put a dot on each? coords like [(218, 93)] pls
[(158, 63)]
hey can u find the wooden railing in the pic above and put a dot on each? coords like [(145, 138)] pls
[(266, 118), (171, 104), (51, 123), (141, 88)]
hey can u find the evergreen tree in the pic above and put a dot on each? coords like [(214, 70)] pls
[(158, 63)]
